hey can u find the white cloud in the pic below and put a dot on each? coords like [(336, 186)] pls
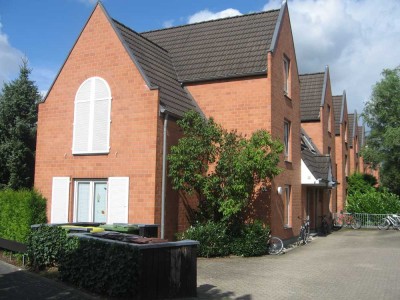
[(43, 78), (356, 38), (168, 23), (10, 59), (206, 15)]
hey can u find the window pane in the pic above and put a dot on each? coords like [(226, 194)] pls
[(83, 196), (100, 202)]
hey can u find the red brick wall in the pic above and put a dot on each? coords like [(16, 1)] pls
[(134, 115), (248, 104), (341, 151)]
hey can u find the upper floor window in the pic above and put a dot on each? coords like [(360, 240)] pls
[(345, 132), (286, 76), (329, 118), (286, 140), (92, 117)]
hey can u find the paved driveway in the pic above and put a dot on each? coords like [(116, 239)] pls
[(348, 264)]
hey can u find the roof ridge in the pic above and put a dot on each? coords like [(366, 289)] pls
[(137, 33), (210, 21), (316, 73)]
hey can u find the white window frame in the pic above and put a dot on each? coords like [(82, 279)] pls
[(287, 139), (286, 74), (288, 203), (329, 118), (92, 99), (92, 183)]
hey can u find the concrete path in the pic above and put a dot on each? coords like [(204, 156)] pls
[(19, 284), (348, 264)]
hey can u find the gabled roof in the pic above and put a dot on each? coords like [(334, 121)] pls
[(319, 165), (157, 65), (339, 103), (222, 48), (312, 95), (352, 127), (361, 136)]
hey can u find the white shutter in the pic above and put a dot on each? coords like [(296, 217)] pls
[(101, 123), (60, 200), (118, 196), (92, 117), (81, 127)]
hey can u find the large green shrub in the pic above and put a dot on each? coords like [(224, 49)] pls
[(47, 244), (18, 211), (251, 240), (213, 238), (373, 202), (102, 267)]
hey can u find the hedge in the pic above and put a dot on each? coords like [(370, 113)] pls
[(18, 211)]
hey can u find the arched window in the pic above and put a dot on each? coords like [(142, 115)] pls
[(92, 117)]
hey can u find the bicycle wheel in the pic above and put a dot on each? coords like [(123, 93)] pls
[(304, 237), (384, 224), (275, 245), (355, 224)]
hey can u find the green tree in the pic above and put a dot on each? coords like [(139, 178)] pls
[(222, 168), (382, 114), (18, 120)]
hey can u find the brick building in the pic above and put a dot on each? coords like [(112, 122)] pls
[(109, 119), (342, 148)]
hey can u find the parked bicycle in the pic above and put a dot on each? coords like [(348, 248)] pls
[(304, 231), (275, 245), (346, 220), (325, 227), (390, 220)]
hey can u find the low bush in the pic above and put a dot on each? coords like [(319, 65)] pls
[(108, 268), (19, 210), (251, 240), (213, 237), (217, 239), (47, 244)]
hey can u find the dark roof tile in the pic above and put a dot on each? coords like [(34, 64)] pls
[(319, 165), (311, 89), (219, 49), (337, 110), (157, 65)]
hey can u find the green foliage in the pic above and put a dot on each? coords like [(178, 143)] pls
[(382, 114), (222, 168), (251, 241), (19, 210), (18, 119), (47, 245), (102, 267), (358, 182), (373, 202), (217, 240), (213, 238)]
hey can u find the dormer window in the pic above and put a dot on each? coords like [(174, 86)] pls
[(286, 76), (92, 117)]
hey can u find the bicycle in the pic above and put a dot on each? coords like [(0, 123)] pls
[(304, 231), (324, 228), (346, 220), (393, 220), (275, 245)]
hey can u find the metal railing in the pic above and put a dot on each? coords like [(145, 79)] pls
[(367, 220)]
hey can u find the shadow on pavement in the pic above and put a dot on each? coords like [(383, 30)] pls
[(208, 291)]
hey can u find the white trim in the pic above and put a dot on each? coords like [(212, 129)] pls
[(60, 199)]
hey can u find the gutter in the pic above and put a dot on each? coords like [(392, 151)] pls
[(164, 167)]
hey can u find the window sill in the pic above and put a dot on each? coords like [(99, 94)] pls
[(287, 161), (287, 96), (90, 153), (287, 227)]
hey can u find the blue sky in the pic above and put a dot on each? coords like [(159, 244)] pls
[(356, 38)]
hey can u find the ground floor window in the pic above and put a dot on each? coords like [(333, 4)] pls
[(90, 201), (287, 205)]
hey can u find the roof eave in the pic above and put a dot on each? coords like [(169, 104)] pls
[(222, 77), (324, 87)]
